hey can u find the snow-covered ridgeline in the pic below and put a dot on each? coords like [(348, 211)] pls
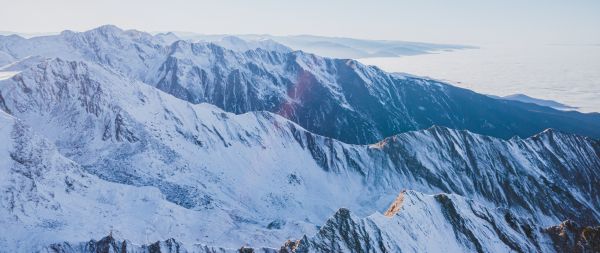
[(337, 98), (422, 223), (242, 178)]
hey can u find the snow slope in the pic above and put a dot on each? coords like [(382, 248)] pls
[(47, 197)]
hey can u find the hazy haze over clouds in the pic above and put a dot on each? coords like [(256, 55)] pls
[(461, 21)]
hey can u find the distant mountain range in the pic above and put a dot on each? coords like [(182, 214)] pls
[(338, 47), (117, 141), (27, 35), (543, 102), (335, 47)]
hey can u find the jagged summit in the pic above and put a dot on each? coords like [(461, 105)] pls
[(549, 133), (107, 29), (428, 223)]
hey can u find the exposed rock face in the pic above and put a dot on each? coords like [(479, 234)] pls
[(109, 244), (571, 237), (338, 98)]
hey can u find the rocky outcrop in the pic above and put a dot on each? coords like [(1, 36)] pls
[(571, 237), (395, 206), (109, 244)]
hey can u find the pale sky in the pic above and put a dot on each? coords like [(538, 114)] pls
[(445, 21)]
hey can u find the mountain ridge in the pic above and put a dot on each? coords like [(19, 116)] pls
[(323, 95), (344, 232)]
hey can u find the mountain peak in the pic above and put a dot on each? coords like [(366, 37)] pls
[(552, 133), (107, 29), (549, 131), (115, 31), (168, 37)]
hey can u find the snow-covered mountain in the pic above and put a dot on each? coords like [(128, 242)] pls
[(90, 150), (237, 44), (342, 99)]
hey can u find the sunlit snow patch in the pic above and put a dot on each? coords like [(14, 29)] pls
[(7, 74)]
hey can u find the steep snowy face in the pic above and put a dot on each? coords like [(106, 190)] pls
[(344, 99), (428, 223), (548, 174), (298, 86), (209, 73), (243, 178), (338, 98), (46, 197)]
